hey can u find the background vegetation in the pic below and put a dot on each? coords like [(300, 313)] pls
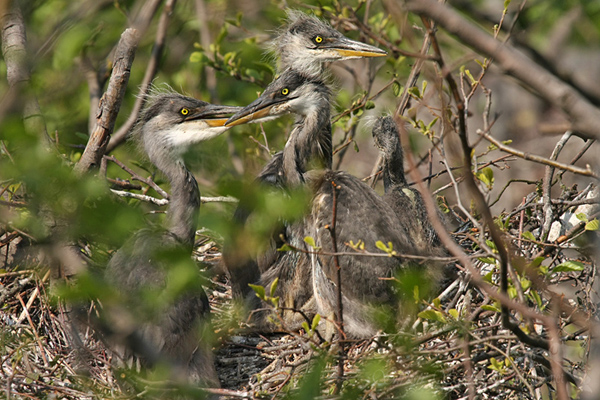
[(518, 321)]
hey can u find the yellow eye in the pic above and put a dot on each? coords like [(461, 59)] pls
[(285, 91), (184, 111), (318, 39)]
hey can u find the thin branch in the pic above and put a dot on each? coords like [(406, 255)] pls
[(548, 185), (584, 115), (151, 69), (14, 52), (137, 177), (339, 315), (542, 160), (164, 202), (142, 197), (110, 103)]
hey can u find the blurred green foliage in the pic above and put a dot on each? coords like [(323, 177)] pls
[(62, 207)]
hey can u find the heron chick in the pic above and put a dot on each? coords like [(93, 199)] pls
[(306, 43), (361, 215), (148, 263)]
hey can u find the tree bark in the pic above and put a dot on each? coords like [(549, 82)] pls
[(110, 103), (585, 117)]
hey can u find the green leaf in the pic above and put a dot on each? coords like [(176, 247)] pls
[(486, 176), (581, 217), (305, 327), (535, 296), (430, 125), (453, 313), (196, 56), (315, 321), (432, 315), (488, 277), (488, 307), (397, 88), (310, 241), (525, 284), (528, 235), (471, 78), (487, 260), (285, 247), (273, 287), (381, 246), (506, 3), (369, 105), (569, 266), (259, 290), (592, 225)]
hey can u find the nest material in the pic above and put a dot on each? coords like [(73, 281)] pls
[(458, 345)]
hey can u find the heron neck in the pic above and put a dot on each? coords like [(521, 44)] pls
[(184, 202), (309, 146), (393, 168)]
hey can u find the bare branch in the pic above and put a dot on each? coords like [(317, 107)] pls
[(110, 103), (151, 69), (585, 117), (542, 160), (14, 52), (164, 202)]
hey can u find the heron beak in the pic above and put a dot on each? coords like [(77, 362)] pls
[(258, 109), (347, 48), (213, 115)]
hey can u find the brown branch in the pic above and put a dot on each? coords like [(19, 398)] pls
[(151, 69), (547, 187), (110, 103), (584, 115), (542, 160), (137, 177), (14, 52), (340, 307)]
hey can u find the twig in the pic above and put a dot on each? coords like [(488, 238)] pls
[(548, 185), (137, 177), (34, 329), (110, 103), (584, 115), (164, 202), (14, 52), (151, 70), (142, 197), (340, 308), (542, 160)]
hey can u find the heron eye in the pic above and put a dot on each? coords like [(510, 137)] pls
[(318, 39), (184, 111), (285, 91)]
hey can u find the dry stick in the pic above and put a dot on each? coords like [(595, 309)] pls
[(137, 177), (110, 102), (480, 202), (159, 43), (413, 77), (14, 52), (548, 174), (551, 323), (542, 160), (585, 117), (340, 308), (34, 330)]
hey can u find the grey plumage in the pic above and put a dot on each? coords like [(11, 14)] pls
[(169, 123), (306, 43), (361, 213), (302, 48), (406, 201)]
